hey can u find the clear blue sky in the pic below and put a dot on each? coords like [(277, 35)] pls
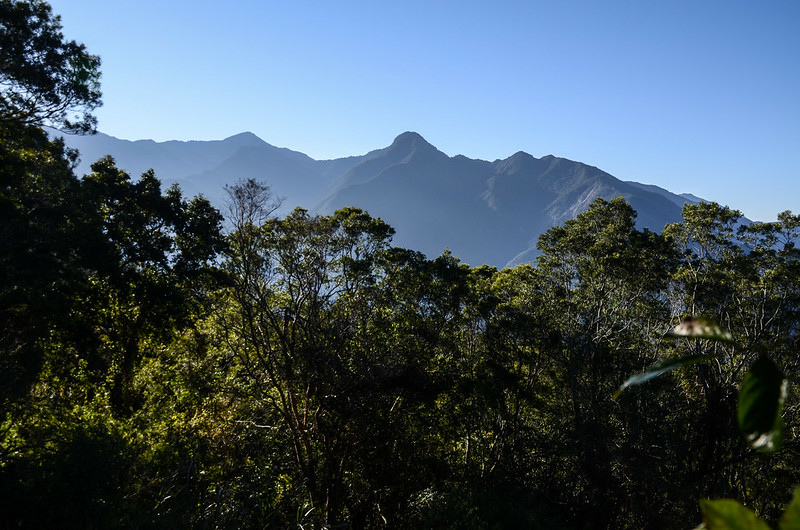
[(694, 96)]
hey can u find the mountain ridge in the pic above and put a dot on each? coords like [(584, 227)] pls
[(484, 212)]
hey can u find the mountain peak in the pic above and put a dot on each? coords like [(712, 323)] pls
[(519, 161), (412, 145), (521, 155), (410, 140), (245, 138), (409, 136), (486, 212)]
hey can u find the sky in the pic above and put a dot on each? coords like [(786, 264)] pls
[(695, 97)]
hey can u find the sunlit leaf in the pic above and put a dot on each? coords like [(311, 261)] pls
[(791, 517), (727, 514), (761, 399), (700, 328), (659, 368)]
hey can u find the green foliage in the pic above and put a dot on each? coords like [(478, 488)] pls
[(302, 372), (761, 396), (44, 79), (761, 400), (102, 274), (728, 514), (791, 517), (314, 375)]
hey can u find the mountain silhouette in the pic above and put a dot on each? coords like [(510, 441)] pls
[(483, 212)]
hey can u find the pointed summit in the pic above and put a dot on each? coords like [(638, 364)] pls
[(485, 212), (412, 146), (245, 138), (519, 162), (409, 141), (409, 136)]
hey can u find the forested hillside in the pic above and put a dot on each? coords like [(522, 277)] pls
[(300, 371)]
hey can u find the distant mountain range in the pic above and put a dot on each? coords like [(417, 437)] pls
[(484, 212)]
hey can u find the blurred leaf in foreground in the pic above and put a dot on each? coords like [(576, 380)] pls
[(727, 514), (659, 368), (700, 328), (791, 517), (761, 400)]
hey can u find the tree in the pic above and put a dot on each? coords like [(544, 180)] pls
[(297, 285), (44, 79), (42, 220), (603, 284), (153, 256), (746, 279), (103, 274), (706, 241)]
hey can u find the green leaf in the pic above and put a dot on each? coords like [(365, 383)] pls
[(659, 368), (761, 399), (727, 514), (791, 517), (700, 328)]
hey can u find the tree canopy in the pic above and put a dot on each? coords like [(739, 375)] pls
[(44, 79), (303, 372)]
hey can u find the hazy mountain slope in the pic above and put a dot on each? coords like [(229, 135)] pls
[(680, 199), (484, 212), (171, 160), (205, 167), (433, 201), (404, 147), (295, 179)]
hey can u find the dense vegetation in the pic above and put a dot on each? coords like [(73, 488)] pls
[(301, 372)]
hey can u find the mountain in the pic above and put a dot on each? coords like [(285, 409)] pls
[(171, 160), (205, 167), (484, 212)]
